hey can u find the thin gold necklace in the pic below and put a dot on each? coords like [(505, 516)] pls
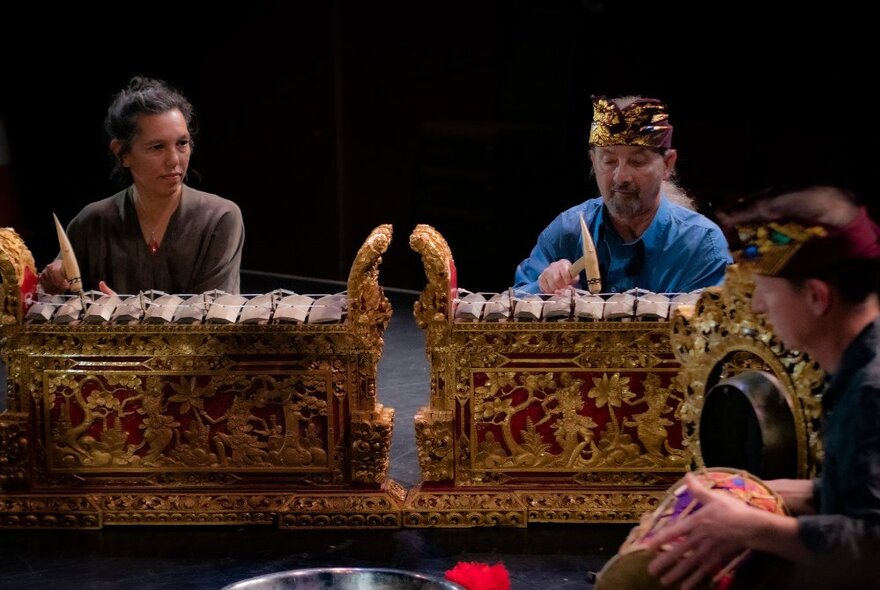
[(153, 243)]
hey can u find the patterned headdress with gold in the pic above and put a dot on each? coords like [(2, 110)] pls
[(769, 248), (793, 247), (644, 122)]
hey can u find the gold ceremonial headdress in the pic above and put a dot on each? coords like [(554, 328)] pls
[(804, 232), (644, 121), (768, 248)]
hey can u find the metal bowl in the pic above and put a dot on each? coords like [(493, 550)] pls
[(344, 578)]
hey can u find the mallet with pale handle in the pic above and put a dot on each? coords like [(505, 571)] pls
[(589, 261)]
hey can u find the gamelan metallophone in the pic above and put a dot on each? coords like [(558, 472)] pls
[(212, 408), (202, 409), (578, 407)]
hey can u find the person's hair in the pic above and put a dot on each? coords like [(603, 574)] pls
[(854, 280), (142, 96), (624, 101), (677, 194)]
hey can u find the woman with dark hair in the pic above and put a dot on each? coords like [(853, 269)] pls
[(157, 233)]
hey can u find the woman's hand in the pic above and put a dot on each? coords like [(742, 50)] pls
[(102, 286), (52, 278), (54, 282)]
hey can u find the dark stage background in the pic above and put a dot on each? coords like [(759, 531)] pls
[(325, 119)]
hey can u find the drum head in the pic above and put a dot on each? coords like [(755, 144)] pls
[(628, 571), (747, 423)]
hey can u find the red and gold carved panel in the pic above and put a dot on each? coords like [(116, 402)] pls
[(140, 423), (565, 420), (130, 420)]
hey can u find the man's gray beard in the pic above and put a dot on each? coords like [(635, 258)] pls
[(624, 207)]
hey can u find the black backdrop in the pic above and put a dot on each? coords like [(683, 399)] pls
[(325, 119)]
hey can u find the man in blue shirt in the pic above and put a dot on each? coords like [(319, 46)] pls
[(643, 239)]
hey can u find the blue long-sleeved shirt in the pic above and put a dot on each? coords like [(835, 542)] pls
[(679, 252)]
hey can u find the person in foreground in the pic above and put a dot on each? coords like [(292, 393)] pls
[(157, 233), (643, 236), (816, 255)]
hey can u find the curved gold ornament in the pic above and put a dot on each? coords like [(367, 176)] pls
[(433, 310), (724, 337), (14, 259), (434, 307), (368, 308)]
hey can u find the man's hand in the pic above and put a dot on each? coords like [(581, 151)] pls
[(556, 278), (704, 541)]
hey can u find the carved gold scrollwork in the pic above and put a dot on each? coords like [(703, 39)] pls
[(121, 420), (432, 310), (14, 450), (371, 443), (548, 420), (607, 506), (464, 509), (368, 308), (724, 337), (434, 438), (49, 512), (14, 259)]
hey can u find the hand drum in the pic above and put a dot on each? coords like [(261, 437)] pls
[(628, 570)]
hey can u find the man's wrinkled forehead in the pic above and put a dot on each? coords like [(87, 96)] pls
[(625, 150)]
